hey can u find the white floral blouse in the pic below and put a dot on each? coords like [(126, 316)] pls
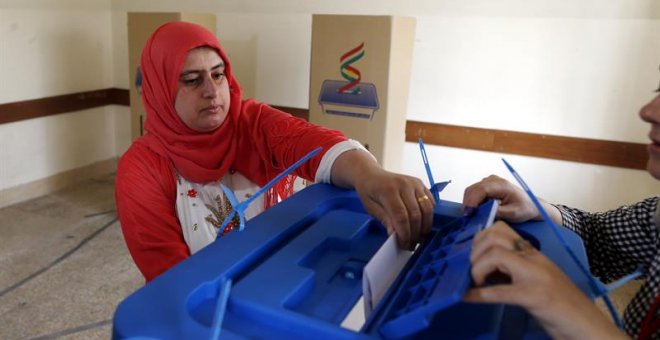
[(202, 207)]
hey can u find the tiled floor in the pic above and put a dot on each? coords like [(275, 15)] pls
[(64, 266)]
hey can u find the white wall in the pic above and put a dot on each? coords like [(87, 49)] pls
[(570, 76), (49, 48), (565, 76), (573, 68), (39, 148)]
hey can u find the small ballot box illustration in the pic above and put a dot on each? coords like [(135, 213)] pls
[(361, 104)]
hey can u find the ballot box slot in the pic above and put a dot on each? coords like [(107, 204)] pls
[(398, 297), (435, 279)]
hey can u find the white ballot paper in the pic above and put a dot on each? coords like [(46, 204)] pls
[(381, 271)]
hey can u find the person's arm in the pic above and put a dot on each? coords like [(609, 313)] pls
[(515, 205), (536, 284), (283, 139), (617, 241), (145, 196), (401, 203)]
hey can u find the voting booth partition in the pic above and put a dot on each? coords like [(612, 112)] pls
[(359, 80), (140, 27)]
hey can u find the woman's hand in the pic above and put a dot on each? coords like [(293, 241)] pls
[(401, 203), (534, 283), (515, 205)]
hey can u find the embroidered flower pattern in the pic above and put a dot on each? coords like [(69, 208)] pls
[(192, 193), (222, 209)]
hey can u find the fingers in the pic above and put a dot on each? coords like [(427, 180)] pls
[(489, 187), (515, 206), (402, 203), (419, 204), (499, 249), (497, 259), (427, 207), (378, 212), (392, 213), (413, 218), (396, 213), (498, 235), (508, 294)]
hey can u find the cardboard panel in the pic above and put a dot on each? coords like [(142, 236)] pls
[(360, 75)]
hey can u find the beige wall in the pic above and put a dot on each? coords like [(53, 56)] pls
[(51, 48), (575, 68)]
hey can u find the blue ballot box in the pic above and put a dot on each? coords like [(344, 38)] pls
[(296, 272)]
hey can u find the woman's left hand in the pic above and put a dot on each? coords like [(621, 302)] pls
[(403, 204)]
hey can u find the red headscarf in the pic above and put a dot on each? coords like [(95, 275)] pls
[(190, 151), (204, 157)]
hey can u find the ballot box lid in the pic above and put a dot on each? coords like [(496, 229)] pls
[(436, 278)]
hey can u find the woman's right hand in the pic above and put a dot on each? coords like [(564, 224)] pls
[(525, 277), (515, 205)]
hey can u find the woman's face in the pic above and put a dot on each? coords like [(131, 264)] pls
[(202, 99), (650, 113)]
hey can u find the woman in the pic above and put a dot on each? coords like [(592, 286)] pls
[(617, 242), (200, 133)]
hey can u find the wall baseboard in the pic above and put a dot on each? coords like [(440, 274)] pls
[(56, 182)]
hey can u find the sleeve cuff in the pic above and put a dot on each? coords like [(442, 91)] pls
[(324, 171)]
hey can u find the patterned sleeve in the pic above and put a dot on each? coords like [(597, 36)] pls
[(617, 241)]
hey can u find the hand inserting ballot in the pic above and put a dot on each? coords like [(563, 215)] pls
[(403, 204)]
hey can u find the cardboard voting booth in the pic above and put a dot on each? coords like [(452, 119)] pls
[(359, 79), (140, 27), (296, 271)]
